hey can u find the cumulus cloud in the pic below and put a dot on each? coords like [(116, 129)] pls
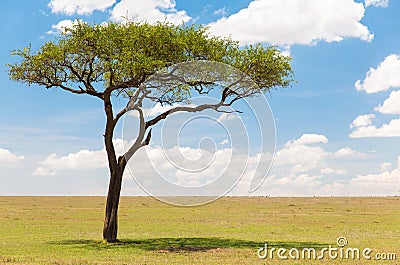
[(381, 184), (288, 22), (138, 10), (180, 167), (382, 78), (377, 3), (347, 152), (81, 160), (311, 139), (303, 180), (9, 159), (189, 166), (70, 7), (328, 171), (387, 179), (320, 179), (227, 117), (391, 105), (385, 166), (362, 120), (306, 155), (391, 129), (298, 156), (61, 26), (303, 167), (149, 10)]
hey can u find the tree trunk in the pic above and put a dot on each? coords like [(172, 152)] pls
[(116, 167), (114, 190), (111, 217), (116, 171)]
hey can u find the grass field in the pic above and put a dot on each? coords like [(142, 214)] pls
[(67, 230)]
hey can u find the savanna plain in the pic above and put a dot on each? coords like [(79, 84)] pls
[(68, 230)]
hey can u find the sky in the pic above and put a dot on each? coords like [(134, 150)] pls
[(337, 126)]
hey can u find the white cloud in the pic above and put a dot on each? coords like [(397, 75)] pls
[(81, 160), (319, 179), (328, 171), (288, 22), (382, 78), (225, 163), (221, 11), (224, 142), (303, 180), (8, 159), (139, 10), (86, 7), (61, 26), (302, 168), (149, 10), (188, 166), (347, 152), (391, 105), (362, 120), (298, 156), (341, 171), (311, 139), (158, 109), (334, 188), (305, 155), (384, 183), (377, 3), (388, 178), (227, 117), (386, 166), (391, 129), (294, 163)]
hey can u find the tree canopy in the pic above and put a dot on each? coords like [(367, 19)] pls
[(89, 59)]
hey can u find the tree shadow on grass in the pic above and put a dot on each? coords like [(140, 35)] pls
[(191, 244)]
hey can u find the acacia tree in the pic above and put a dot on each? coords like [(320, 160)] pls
[(116, 59)]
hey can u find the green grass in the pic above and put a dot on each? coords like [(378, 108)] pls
[(67, 230)]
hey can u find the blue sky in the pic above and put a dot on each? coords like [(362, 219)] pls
[(338, 126)]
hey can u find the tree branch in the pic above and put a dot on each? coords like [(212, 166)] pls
[(147, 140), (134, 82), (165, 114), (143, 126), (134, 103), (139, 140)]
